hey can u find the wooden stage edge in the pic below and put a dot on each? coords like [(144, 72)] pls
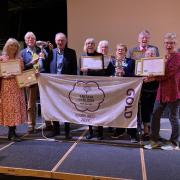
[(51, 175)]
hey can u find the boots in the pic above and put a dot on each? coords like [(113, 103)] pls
[(12, 136)]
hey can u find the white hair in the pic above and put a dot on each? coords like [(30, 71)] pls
[(171, 36), (102, 43), (29, 34)]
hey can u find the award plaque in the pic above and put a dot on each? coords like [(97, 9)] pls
[(11, 67), (27, 78), (92, 62)]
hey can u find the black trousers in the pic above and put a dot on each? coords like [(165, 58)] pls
[(100, 130), (56, 127)]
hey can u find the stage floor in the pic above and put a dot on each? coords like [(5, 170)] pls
[(79, 158)]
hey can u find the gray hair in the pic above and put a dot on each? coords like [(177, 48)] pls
[(151, 50), (145, 33), (102, 43), (29, 34), (62, 35), (171, 36)]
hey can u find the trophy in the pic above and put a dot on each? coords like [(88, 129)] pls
[(41, 56), (118, 66), (41, 44)]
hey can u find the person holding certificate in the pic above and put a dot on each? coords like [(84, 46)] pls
[(31, 56), (148, 96), (168, 95), (91, 64), (12, 105)]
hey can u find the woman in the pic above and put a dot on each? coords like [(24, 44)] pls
[(103, 48), (148, 96), (90, 50), (12, 106), (122, 66), (168, 94)]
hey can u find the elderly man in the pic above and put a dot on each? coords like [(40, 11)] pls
[(61, 60)]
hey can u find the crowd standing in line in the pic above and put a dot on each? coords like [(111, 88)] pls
[(63, 60)]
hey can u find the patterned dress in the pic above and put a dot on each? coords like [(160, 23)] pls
[(12, 103)]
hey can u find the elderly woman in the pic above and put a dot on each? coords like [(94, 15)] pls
[(126, 69), (103, 47), (148, 96), (90, 50), (168, 95), (12, 105)]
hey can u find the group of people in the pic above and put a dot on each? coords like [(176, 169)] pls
[(157, 91)]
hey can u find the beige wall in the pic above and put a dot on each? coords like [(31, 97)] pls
[(121, 21)]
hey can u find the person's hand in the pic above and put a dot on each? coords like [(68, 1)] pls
[(119, 71), (7, 76), (34, 61), (149, 78), (50, 45), (84, 69), (41, 55)]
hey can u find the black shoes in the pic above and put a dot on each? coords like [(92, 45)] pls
[(12, 136), (89, 136)]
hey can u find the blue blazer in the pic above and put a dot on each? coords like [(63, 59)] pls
[(69, 62), (129, 69)]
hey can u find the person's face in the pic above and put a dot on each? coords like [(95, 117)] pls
[(30, 41), (149, 54), (104, 49), (120, 51), (90, 46), (60, 42), (143, 40), (169, 45), (12, 49)]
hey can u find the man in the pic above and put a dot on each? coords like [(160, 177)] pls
[(138, 52), (61, 60), (31, 57)]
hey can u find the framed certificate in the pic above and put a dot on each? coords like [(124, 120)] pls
[(138, 67), (26, 79), (92, 62), (153, 66), (11, 67)]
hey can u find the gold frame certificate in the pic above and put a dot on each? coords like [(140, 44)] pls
[(153, 66), (92, 62), (138, 67), (11, 67), (27, 78)]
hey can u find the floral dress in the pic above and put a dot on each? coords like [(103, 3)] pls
[(12, 103)]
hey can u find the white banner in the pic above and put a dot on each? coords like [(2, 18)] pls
[(90, 100)]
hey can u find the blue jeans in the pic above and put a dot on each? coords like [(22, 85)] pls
[(173, 117)]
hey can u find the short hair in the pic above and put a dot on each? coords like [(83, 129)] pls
[(9, 42), (61, 35), (122, 45), (145, 33), (88, 40), (171, 36), (152, 50), (102, 43), (31, 34)]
